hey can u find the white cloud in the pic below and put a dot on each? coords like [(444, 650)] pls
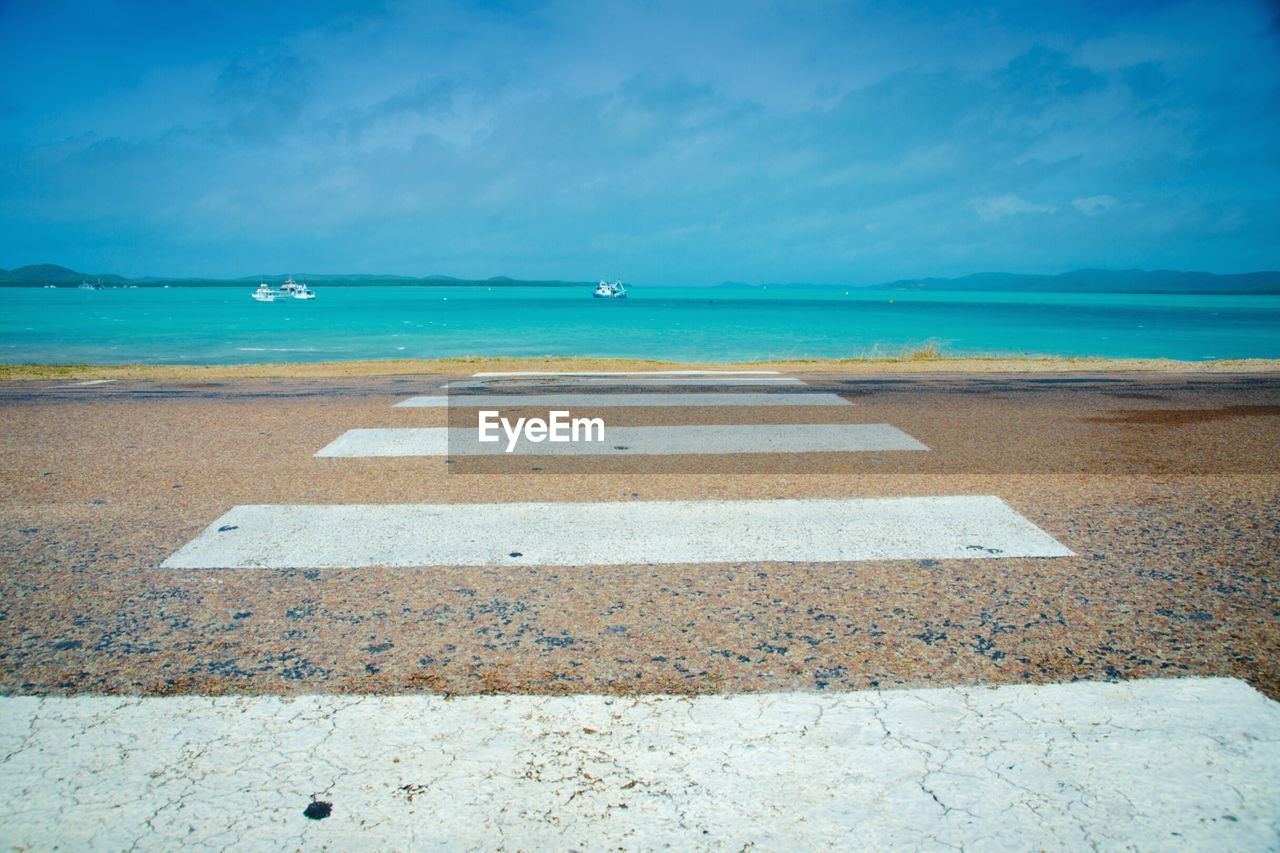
[(1094, 203), (999, 207)]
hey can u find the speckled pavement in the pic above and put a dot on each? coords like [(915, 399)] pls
[(1164, 487)]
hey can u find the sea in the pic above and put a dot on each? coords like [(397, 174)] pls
[(223, 325)]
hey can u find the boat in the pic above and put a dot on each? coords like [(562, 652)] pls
[(51, 287), (265, 293), (91, 285), (610, 290), (296, 289)]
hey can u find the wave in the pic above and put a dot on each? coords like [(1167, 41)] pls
[(280, 349)]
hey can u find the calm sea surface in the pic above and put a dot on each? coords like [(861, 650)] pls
[(223, 325)]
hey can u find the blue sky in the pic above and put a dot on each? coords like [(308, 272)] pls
[(663, 142)]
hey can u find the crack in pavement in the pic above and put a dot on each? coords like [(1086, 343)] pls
[(1071, 765)]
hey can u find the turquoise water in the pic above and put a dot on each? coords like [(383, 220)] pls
[(223, 325)]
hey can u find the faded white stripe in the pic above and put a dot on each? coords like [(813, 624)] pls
[(717, 439), (626, 373), (1145, 765), (418, 441), (626, 381), (636, 532), (593, 401), (87, 383)]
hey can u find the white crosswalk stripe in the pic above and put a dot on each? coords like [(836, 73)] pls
[(625, 381), (1140, 765), (712, 374), (633, 532), (709, 439), (589, 401)]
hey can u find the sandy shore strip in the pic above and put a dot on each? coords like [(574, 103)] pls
[(467, 366), (1147, 764)]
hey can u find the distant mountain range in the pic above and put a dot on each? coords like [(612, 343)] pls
[(1100, 281), (40, 275), (1079, 281)]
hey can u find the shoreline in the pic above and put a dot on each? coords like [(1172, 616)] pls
[(394, 367)]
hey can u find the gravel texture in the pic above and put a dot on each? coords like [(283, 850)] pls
[(1164, 486)]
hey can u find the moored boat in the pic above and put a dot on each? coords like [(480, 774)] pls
[(265, 294), (296, 289), (610, 290)]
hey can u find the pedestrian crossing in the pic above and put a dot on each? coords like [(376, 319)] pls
[(891, 768), (710, 439), (623, 400), (509, 535), (643, 374), (514, 535), (620, 380)]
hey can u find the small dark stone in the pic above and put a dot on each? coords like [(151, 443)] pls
[(620, 447), (318, 810), (29, 530), (177, 485), (224, 528), (516, 554)]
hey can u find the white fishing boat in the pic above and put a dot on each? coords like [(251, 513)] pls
[(610, 290), (303, 292), (265, 294)]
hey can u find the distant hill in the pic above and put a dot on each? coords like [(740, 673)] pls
[(1100, 281), (42, 274), (39, 275)]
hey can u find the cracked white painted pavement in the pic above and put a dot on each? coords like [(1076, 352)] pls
[(1159, 763)]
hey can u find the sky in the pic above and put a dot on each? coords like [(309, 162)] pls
[(660, 142)]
